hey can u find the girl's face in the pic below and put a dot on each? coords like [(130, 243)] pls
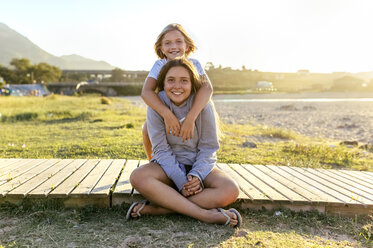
[(173, 45), (178, 85)]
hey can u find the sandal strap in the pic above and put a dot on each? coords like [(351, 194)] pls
[(143, 203), (226, 215)]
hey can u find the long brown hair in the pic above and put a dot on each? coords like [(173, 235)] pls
[(168, 28), (193, 74), (196, 84)]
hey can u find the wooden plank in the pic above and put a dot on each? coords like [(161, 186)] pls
[(46, 187), (7, 162), (4, 161), (24, 177), (337, 186), (347, 181), (320, 184), (68, 185), (344, 183), (366, 174), (247, 190), (124, 186), (267, 190), (90, 181), (276, 185), (13, 166), (351, 178), (289, 183), (348, 211), (247, 185), (306, 185), (358, 175), (108, 180), (20, 168), (40, 178), (7, 165)]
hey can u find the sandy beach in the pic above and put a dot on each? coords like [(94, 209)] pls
[(337, 116)]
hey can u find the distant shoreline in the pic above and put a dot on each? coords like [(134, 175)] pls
[(300, 95)]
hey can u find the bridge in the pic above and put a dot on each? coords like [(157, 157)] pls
[(104, 89), (99, 74)]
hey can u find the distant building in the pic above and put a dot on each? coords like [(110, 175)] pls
[(303, 72), (264, 86)]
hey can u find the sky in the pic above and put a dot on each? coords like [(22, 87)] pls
[(267, 35)]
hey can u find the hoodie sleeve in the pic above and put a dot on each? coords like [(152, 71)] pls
[(208, 144), (162, 151)]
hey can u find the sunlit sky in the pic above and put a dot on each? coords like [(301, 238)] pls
[(267, 35)]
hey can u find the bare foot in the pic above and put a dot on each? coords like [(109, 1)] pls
[(149, 209), (136, 208)]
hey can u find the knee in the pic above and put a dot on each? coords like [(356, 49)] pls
[(136, 178), (230, 194), (234, 190)]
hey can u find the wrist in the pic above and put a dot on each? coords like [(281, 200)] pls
[(166, 112), (191, 116)]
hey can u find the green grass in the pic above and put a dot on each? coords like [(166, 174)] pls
[(53, 226), (70, 127), (283, 147), (95, 127)]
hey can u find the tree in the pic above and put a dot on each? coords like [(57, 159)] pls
[(26, 73), (209, 66), (22, 69), (21, 64), (44, 72), (117, 75), (7, 74)]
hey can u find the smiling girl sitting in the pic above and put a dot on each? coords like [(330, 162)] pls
[(182, 176)]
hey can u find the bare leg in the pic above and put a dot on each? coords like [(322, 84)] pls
[(151, 181), (146, 142), (220, 190)]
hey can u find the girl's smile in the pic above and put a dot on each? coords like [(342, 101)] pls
[(177, 85), (173, 45)]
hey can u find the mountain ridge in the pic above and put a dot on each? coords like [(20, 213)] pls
[(15, 45)]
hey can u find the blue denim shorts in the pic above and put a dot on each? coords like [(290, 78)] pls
[(186, 168)]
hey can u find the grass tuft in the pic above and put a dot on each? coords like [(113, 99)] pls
[(105, 100), (278, 133), (129, 125)]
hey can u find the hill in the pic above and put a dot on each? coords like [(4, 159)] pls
[(15, 45)]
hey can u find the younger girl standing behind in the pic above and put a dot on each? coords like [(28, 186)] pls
[(171, 43)]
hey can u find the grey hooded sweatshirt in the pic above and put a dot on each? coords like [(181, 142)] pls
[(172, 154)]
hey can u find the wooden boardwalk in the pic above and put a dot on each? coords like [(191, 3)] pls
[(105, 183)]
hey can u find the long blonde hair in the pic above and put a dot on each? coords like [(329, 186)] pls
[(168, 28)]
